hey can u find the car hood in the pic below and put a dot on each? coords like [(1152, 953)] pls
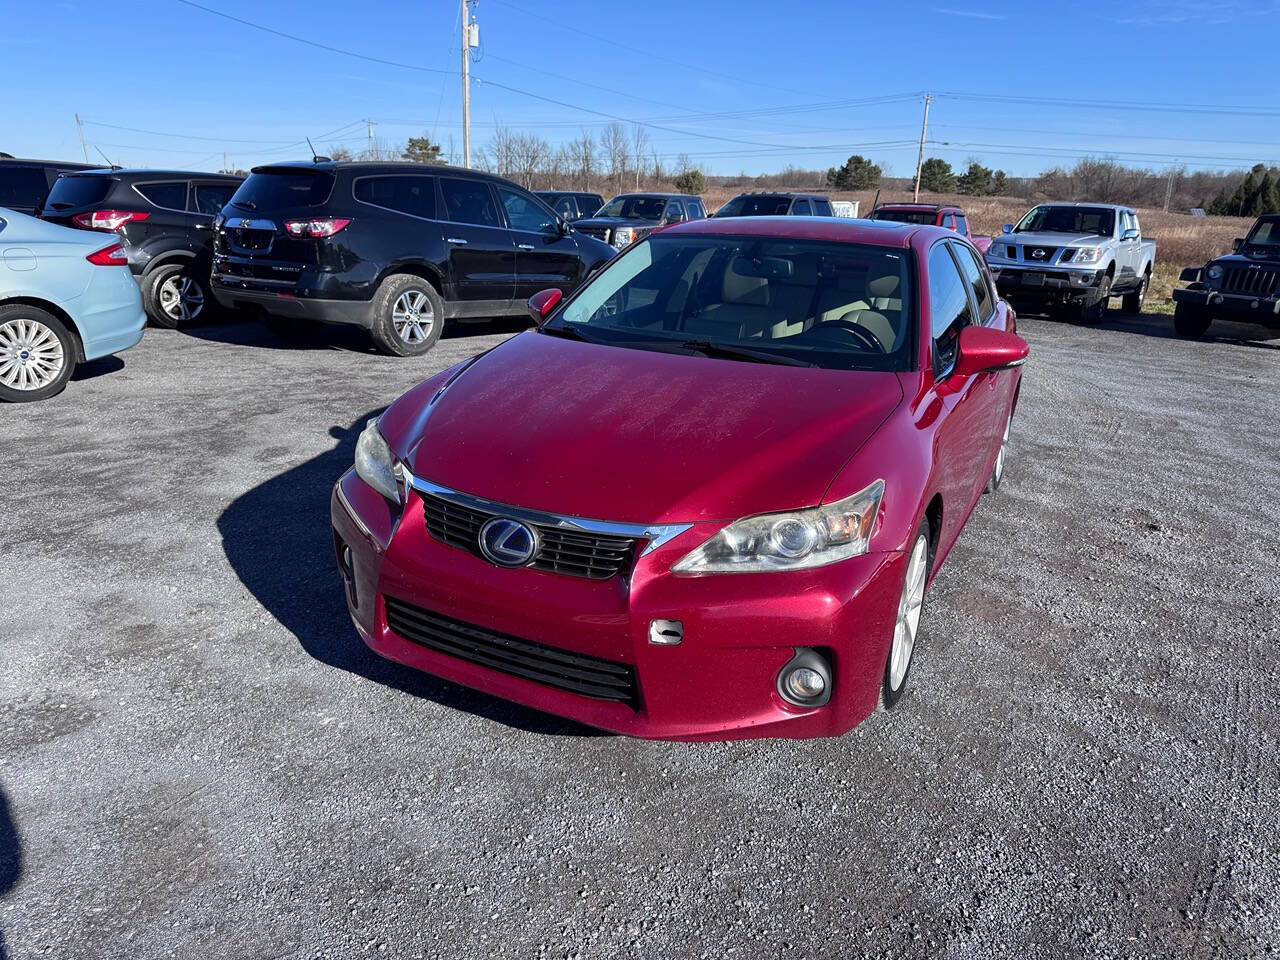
[(1055, 239), (612, 433), (614, 222)]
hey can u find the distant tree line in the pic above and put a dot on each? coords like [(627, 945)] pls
[(1258, 193)]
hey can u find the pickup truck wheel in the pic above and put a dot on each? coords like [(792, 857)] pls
[(174, 296), (1190, 321), (1132, 302), (408, 316), (37, 354), (1093, 311)]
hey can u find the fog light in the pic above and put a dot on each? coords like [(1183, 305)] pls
[(806, 679)]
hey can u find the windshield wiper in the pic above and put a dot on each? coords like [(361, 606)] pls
[(568, 333), (709, 349)]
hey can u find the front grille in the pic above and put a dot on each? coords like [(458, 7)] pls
[(1046, 254), (1255, 281), (1067, 254), (576, 553), (575, 672), (600, 233)]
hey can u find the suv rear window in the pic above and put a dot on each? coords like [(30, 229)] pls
[(277, 190), (22, 186), (171, 195), (73, 191), (924, 217)]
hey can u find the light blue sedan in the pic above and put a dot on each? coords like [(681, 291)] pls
[(66, 296)]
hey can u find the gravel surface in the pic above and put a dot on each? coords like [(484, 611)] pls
[(198, 758)]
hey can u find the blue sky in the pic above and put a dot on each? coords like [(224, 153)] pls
[(737, 86)]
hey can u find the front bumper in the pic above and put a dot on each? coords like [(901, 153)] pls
[(719, 683), (1232, 306), (1050, 283)]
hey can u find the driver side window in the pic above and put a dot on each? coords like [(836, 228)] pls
[(949, 310), (675, 212), (524, 213)]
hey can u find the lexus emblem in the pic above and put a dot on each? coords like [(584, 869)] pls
[(507, 542), (1038, 253)]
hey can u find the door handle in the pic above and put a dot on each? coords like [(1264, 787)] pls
[(204, 226), (526, 246), (456, 240)]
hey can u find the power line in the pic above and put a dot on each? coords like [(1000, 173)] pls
[(1237, 110)]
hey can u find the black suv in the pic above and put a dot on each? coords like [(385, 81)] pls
[(776, 205), (1243, 286), (164, 218), (396, 248), (628, 217), (25, 183), (571, 204)]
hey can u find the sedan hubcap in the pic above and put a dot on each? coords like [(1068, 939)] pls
[(181, 298), (31, 355), (904, 631), (413, 316)]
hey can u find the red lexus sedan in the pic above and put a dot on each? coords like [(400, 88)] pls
[(705, 497)]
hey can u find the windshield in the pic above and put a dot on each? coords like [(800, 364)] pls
[(634, 208), (837, 305), (1100, 221), (283, 190), (1266, 233), (747, 206), (923, 217)]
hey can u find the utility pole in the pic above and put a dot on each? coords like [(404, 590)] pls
[(468, 28), (369, 126), (1168, 191), (80, 130), (924, 129)]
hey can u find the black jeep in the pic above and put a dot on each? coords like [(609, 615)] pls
[(1242, 286)]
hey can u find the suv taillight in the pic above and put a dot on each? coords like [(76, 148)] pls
[(107, 219), (112, 256), (320, 228)]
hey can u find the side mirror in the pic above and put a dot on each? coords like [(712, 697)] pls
[(982, 349), (1130, 234), (1236, 244), (1007, 228), (542, 303)]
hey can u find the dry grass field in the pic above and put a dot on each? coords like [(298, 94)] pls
[(1181, 240)]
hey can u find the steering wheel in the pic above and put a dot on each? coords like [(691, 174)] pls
[(859, 332)]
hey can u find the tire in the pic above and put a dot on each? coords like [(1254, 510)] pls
[(175, 296), (1190, 321), (408, 316), (37, 354), (906, 631), (1132, 302), (1094, 311), (997, 471)]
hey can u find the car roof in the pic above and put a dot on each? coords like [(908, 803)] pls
[(28, 161), (370, 166), (922, 207), (782, 193), (656, 193), (147, 173), (880, 233)]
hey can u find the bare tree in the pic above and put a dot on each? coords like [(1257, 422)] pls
[(530, 155), (499, 155), (583, 161), (639, 147), (617, 154)]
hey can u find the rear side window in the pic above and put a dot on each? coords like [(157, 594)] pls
[(976, 278), (802, 209), (696, 210), (413, 195), (949, 222), (525, 214), (171, 195), (469, 201), (962, 225), (821, 208), (71, 192), (675, 211), (22, 186), (212, 197), (564, 207), (283, 190)]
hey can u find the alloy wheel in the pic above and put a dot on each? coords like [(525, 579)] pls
[(908, 623), (1003, 451), (31, 355), (181, 298), (413, 316)]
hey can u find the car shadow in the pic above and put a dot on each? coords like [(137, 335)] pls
[(10, 858), (97, 368), (1160, 326), (248, 329), (278, 540)]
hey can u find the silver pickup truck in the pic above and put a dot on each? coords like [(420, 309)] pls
[(1074, 257)]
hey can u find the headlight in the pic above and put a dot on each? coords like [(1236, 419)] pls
[(1214, 271), (796, 540), (374, 463), (623, 236), (1087, 255)]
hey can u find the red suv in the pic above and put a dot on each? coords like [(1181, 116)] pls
[(952, 218), (704, 498)]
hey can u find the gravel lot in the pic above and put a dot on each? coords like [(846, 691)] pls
[(198, 758)]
